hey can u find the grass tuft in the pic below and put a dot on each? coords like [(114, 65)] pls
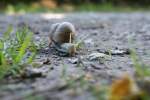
[(14, 51)]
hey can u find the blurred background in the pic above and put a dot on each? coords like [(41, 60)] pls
[(24, 6)]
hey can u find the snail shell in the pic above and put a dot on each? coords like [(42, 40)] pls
[(62, 33)]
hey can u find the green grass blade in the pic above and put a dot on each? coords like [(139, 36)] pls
[(24, 47)]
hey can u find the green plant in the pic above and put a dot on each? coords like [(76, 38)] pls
[(97, 91), (14, 51), (142, 70)]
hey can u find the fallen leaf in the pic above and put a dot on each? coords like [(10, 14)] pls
[(97, 56), (119, 52), (88, 77), (73, 60), (124, 89)]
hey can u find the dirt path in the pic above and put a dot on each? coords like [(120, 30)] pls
[(105, 31)]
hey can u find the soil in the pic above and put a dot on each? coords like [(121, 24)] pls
[(105, 31)]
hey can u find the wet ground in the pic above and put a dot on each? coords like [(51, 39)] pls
[(100, 31)]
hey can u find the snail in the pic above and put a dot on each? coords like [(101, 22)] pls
[(62, 36)]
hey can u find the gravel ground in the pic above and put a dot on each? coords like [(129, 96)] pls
[(103, 31)]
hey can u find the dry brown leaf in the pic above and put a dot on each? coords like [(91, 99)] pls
[(124, 89), (88, 77)]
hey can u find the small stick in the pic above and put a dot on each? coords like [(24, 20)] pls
[(70, 38)]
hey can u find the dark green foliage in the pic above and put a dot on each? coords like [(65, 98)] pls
[(80, 2), (114, 2), (17, 1)]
